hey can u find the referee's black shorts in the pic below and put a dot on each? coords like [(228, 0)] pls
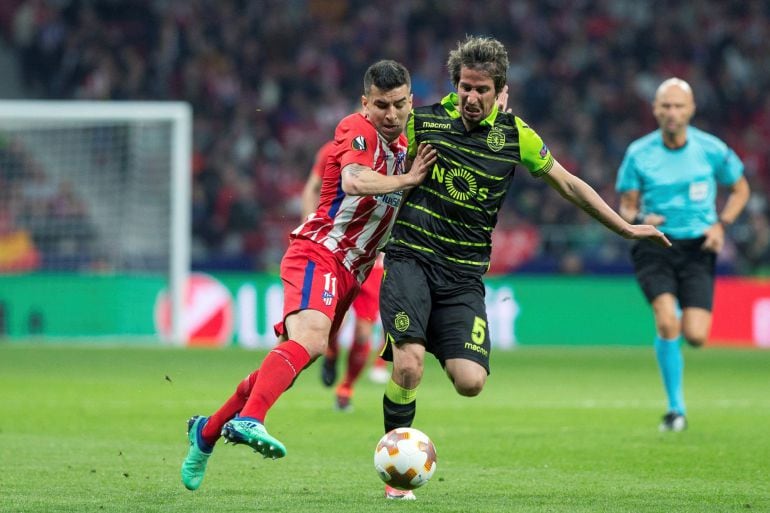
[(684, 270), (432, 303)]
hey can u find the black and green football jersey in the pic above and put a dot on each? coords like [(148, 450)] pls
[(449, 218)]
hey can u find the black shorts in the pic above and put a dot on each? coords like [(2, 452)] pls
[(684, 270), (444, 309)]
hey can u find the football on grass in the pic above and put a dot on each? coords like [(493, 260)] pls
[(405, 458)]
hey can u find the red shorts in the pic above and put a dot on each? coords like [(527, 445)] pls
[(367, 303), (314, 280)]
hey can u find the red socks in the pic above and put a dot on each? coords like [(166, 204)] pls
[(284, 363), (279, 369), (213, 426), (357, 357)]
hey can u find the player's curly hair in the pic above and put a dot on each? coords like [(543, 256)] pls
[(386, 75), (479, 53)]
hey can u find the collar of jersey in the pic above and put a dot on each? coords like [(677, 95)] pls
[(451, 101)]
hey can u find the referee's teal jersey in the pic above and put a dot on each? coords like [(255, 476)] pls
[(679, 184)]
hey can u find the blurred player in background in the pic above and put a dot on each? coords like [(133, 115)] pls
[(432, 297), (329, 256), (366, 307), (669, 179)]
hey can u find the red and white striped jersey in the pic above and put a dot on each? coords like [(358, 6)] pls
[(353, 227)]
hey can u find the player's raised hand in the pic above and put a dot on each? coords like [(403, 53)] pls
[(502, 100), (422, 164), (649, 232)]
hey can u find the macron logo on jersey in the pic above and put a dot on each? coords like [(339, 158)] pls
[(440, 126), (359, 143)]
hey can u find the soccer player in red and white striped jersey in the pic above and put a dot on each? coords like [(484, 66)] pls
[(366, 306), (329, 256), (352, 226)]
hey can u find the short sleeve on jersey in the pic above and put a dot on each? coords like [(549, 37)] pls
[(356, 141), (535, 155), (731, 168)]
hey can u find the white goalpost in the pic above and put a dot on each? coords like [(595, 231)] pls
[(103, 187)]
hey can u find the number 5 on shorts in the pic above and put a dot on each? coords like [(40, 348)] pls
[(479, 331)]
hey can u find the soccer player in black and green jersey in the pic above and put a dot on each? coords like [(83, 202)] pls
[(432, 297)]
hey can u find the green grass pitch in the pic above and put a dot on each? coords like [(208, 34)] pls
[(93, 429)]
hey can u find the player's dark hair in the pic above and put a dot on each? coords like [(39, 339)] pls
[(386, 75), (479, 53)]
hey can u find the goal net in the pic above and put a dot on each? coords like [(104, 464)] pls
[(98, 188)]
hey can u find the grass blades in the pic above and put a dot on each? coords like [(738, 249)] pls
[(558, 429)]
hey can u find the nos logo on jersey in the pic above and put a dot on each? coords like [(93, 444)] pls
[(359, 143)]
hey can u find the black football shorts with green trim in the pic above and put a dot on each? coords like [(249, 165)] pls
[(445, 309)]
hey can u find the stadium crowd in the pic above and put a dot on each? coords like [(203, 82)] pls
[(268, 81)]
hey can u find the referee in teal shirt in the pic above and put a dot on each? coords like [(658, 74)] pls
[(669, 179)]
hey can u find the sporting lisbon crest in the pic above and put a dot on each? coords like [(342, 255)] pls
[(495, 139), (401, 322)]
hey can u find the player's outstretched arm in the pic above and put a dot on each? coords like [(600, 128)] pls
[(584, 196), (358, 180)]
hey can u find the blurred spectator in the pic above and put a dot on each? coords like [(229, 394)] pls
[(17, 250), (41, 216), (69, 220), (514, 242), (269, 80)]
